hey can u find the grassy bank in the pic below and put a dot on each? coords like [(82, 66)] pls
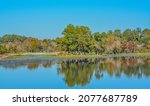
[(22, 55), (99, 56), (55, 55)]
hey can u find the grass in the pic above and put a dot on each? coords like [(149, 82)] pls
[(17, 56), (82, 56), (98, 56)]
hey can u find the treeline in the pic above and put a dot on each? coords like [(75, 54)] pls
[(80, 40), (21, 44)]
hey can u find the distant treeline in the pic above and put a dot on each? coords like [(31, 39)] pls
[(21, 44), (80, 40)]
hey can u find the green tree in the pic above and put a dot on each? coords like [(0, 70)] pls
[(100, 40), (128, 34), (145, 36), (138, 33), (77, 39), (31, 45), (12, 38), (117, 33)]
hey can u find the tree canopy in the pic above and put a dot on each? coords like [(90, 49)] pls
[(81, 40)]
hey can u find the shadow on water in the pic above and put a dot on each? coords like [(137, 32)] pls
[(81, 71)]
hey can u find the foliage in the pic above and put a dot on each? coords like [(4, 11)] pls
[(77, 39), (80, 40), (19, 44)]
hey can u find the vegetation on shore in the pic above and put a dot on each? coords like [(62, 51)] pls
[(79, 40), (49, 56)]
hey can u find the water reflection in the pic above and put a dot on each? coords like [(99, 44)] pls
[(81, 71), (30, 63)]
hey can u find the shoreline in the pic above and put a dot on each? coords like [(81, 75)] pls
[(56, 55), (9, 55)]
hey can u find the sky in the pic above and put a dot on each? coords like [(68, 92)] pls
[(48, 18)]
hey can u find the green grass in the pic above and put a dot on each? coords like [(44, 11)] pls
[(99, 56), (84, 56), (17, 57)]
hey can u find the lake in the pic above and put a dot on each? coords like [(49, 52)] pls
[(82, 73)]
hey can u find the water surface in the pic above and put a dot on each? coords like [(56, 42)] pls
[(90, 73)]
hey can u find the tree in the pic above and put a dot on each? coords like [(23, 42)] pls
[(31, 45), (145, 38), (12, 38), (128, 46), (100, 40), (128, 34), (77, 39), (2, 50), (117, 33), (138, 33), (112, 44), (60, 46)]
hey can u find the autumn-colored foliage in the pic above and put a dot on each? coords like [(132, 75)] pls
[(81, 40)]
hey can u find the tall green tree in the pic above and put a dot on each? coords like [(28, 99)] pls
[(77, 39), (100, 40), (128, 34), (117, 33)]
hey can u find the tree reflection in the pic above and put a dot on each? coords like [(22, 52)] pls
[(47, 64), (98, 74), (77, 72), (81, 71), (32, 66)]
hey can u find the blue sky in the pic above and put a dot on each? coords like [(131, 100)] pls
[(48, 18)]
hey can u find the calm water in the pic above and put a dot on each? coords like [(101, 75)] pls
[(35, 72)]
